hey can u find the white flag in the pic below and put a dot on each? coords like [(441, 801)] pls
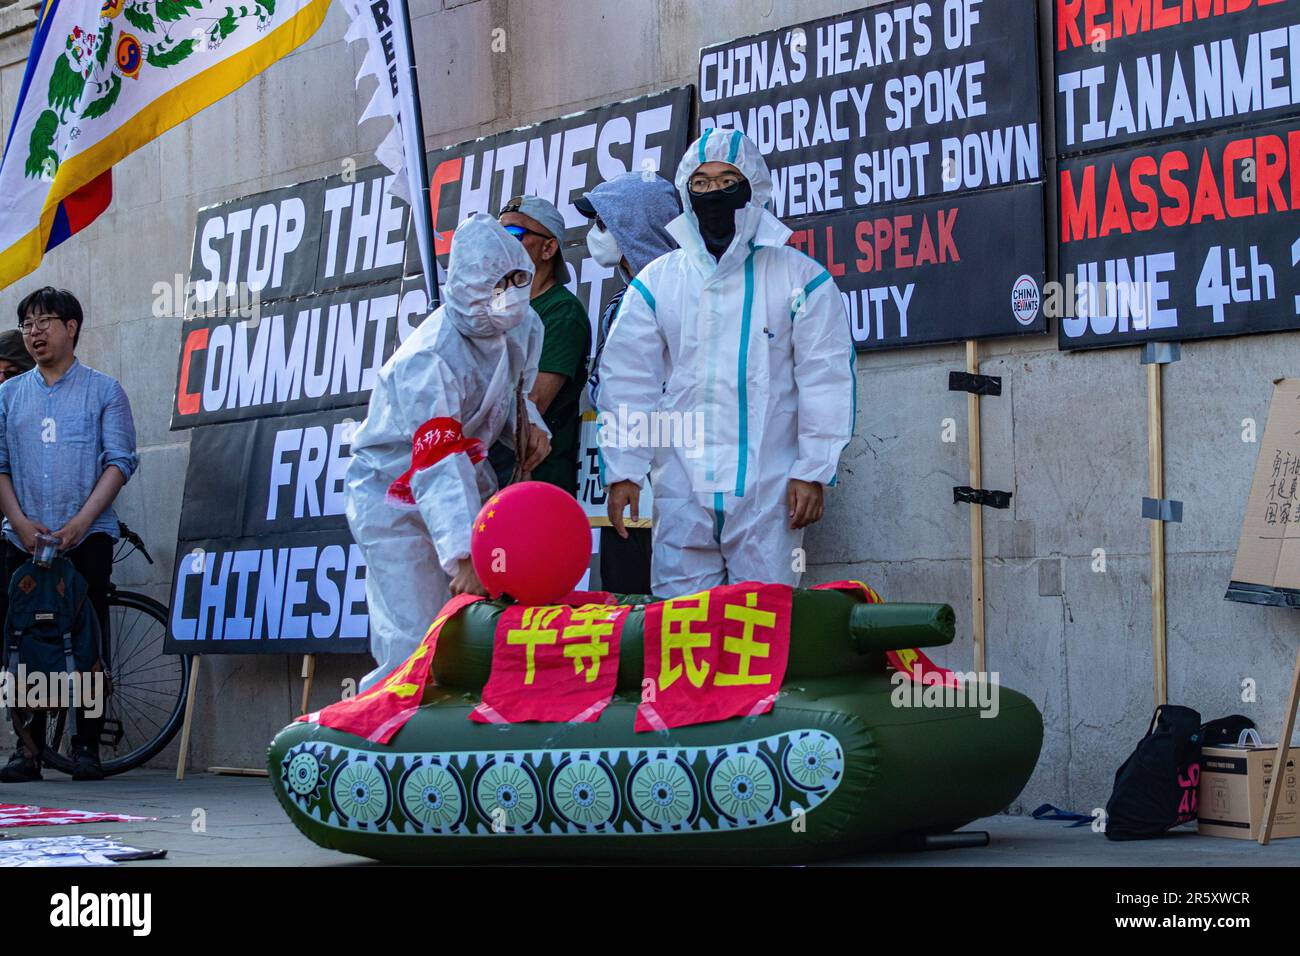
[(385, 27)]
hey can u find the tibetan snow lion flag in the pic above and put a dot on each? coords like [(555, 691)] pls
[(103, 78)]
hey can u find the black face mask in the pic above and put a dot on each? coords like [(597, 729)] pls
[(716, 212)]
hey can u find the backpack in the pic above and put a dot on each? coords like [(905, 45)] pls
[(1155, 788), (51, 627)]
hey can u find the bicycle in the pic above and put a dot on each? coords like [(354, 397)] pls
[(146, 705)]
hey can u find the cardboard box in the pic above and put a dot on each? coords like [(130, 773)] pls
[(1267, 567), (1230, 800)]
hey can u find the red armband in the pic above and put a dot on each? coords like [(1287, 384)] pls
[(434, 440)]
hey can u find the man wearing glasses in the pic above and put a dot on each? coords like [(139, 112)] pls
[(562, 369), (67, 446), (749, 338)]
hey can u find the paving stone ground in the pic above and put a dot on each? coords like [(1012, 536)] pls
[(244, 826)]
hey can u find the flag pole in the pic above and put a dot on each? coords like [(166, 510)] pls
[(417, 169)]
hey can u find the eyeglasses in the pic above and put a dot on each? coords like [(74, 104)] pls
[(519, 232), (28, 326), (726, 182), (516, 277)]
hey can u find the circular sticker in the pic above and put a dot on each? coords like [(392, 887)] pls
[(508, 795), (661, 791), (302, 773), (584, 792), (743, 787), (432, 795), (1025, 300), (360, 792)]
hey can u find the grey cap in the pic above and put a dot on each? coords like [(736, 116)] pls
[(14, 350), (537, 208)]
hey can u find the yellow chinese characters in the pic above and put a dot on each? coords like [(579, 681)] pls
[(686, 633), (745, 647), (679, 614), (536, 629), (594, 623)]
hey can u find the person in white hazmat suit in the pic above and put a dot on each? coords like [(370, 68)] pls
[(739, 345), (419, 471)]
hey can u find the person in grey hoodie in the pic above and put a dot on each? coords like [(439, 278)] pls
[(628, 231)]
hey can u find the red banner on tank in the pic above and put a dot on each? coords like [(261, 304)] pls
[(713, 655), (385, 708), (552, 663)]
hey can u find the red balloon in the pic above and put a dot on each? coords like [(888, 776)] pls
[(532, 542)]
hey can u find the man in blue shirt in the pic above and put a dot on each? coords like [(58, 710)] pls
[(67, 446)]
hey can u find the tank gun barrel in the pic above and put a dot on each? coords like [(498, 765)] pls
[(895, 626)]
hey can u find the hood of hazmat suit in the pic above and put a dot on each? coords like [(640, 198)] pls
[(419, 472), (748, 360)]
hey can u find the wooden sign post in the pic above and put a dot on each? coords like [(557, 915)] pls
[(974, 438), (308, 676), (189, 718), (1156, 490), (1283, 751)]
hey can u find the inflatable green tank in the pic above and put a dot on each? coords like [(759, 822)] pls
[(844, 760)]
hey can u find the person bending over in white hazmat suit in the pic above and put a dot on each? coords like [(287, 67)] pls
[(740, 344), (419, 471)]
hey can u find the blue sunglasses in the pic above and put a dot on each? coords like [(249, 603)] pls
[(519, 232)]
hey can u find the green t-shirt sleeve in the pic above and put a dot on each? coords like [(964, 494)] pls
[(564, 342)]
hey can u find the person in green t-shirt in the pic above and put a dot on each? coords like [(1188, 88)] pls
[(562, 369)]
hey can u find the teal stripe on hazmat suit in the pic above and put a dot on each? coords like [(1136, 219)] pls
[(463, 363), (752, 358)]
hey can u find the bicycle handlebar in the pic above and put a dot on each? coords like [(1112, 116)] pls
[(133, 539)]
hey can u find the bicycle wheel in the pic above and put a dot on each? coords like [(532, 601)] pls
[(149, 687)]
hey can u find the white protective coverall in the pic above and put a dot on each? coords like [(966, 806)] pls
[(461, 366), (755, 347)]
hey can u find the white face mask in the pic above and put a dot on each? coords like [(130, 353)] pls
[(508, 307), (603, 248)]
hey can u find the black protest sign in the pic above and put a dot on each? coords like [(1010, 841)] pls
[(1183, 240), (288, 594), (314, 352), (883, 130), (273, 475), (316, 236), (905, 273), (265, 245), (559, 160), (1135, 70), (275, 564), (897, 102)]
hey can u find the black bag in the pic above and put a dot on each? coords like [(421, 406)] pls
[(1155, 789), (1226, 731)]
